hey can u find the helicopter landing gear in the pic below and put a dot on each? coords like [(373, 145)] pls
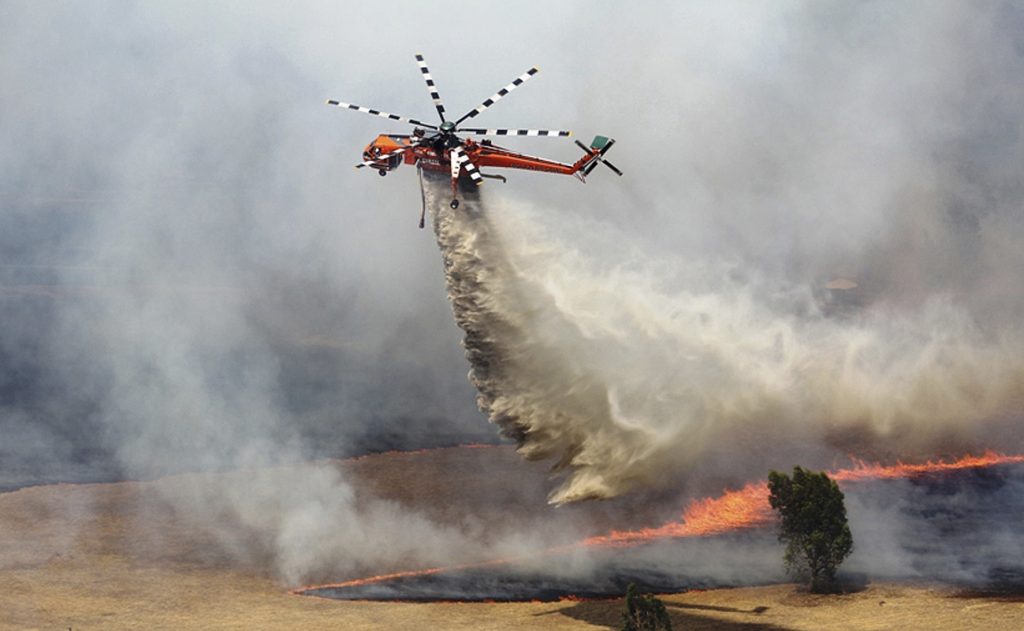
[(382, 172), (454, 204)]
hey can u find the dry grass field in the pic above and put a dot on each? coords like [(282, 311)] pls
[(114, 556)]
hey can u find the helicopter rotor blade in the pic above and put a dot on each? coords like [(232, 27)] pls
[(500, 94), (612, 167), (470, 167), (455, 155), (366, 110), (585, 148), (516, 132), (431, 87), (596, 157)]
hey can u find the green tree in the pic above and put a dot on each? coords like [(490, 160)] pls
[(814, 526), (644, 612)]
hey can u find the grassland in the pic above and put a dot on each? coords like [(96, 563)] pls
[(117, 556)]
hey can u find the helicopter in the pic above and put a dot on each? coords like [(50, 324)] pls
[(439, 149)]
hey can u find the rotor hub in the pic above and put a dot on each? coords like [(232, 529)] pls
[(448, 127)]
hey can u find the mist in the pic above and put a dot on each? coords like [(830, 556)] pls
[(194, 278)]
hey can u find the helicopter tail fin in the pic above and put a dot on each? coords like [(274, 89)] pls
[(595, 154)]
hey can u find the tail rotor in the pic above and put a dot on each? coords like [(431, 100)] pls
[(595, 154)]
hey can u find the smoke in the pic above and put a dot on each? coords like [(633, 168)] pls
[(956, 528), (194, 279), (632, 370)]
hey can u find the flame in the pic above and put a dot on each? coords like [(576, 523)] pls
[(732, 511), (749, 508), (873, 471)]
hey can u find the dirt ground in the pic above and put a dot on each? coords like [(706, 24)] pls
[(110, 556)]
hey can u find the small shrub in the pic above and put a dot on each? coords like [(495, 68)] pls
[(644, 612)]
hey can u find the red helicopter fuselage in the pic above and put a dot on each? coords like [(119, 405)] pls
[(438, 158)]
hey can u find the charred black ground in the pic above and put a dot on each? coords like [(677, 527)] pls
[(959, 529)]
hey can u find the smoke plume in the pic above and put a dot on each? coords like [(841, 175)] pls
[(633, 370)]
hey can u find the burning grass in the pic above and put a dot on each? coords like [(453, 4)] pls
[(114, 556), (732, 512)]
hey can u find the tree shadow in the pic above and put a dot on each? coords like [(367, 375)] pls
[(846, 583), (756, 610), (608, 614)]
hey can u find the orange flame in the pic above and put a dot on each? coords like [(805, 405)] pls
[(749, 508), (869, 471), (732, 511)]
